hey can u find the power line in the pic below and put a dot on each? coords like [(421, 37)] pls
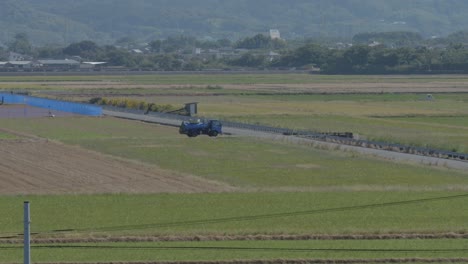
[(253, 217)]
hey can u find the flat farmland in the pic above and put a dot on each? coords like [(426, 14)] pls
[(107, 189), (240, 161), (31, 165), (382, 108)]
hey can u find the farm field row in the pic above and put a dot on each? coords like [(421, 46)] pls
[(403, 118), (240, 78), (241, 250), (236, 84), (231, 214)]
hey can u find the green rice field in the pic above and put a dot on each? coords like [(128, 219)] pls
[(241, 250), (243, 162), (279, 188)]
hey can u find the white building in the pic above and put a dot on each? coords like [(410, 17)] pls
[(275, 34)]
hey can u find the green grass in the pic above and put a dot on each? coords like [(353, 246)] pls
[(237, 213), (4, 135), (240, 250), (397, 118), (243, 162), (449, 133)]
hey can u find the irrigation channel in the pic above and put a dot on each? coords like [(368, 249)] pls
[(343, 140)]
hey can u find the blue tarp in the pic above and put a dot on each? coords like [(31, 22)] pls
[(77, 108)]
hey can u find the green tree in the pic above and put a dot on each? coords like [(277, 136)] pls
[(305, 55), (260, 41), (193, 65), (21, 44), (249, 60), (3, 55), (49, 52), (126, 42), (168, 62), (392, 39), (118, 57), (155, 46), (85, 49)]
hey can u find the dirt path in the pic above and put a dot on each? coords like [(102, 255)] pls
[(38, 166)]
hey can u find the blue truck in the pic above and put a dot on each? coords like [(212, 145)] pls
[(197, 127)]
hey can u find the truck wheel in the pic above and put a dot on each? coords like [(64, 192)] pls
[(213, 133), (192, 133)]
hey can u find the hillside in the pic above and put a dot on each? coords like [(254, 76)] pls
[(104, 21)]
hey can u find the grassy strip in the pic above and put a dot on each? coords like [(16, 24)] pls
[(237, 214), (240, 250), (449, 133)]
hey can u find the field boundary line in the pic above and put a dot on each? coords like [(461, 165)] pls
[(256, 237), (283, 261)]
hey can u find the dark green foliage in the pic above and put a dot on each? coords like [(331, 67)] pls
[(85, 49), (50, 51), (249, 60), (391, 39), (132, 104), (20, 44), (3, 55), (260, 41), (106, 21)]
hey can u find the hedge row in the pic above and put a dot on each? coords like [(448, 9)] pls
[(133, 104)]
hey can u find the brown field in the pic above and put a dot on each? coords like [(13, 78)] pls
[(403, 86), (31, 165)]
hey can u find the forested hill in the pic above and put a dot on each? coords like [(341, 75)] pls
[(104, 21)]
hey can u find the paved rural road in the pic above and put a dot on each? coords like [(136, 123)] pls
[(396, 156)]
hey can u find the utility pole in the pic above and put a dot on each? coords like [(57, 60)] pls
[(27, 232)]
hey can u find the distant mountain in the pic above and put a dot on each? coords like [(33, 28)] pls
[(105, 21)]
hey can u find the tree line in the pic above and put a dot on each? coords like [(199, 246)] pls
[(176, 54)]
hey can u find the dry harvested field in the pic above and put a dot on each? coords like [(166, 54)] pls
[(364, 87), (30, 165)]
